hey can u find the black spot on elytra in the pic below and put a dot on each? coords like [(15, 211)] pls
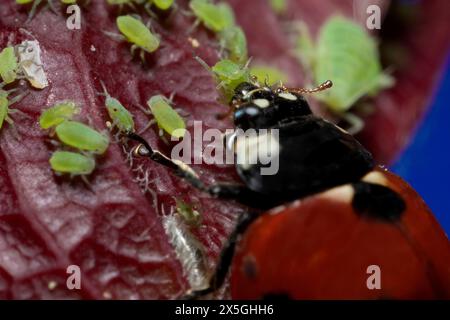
[(377, 201), (276, 296), (249, 267)]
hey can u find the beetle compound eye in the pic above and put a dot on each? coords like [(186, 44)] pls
[(247, 116)]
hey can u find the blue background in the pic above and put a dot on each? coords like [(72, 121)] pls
[(425, 164)]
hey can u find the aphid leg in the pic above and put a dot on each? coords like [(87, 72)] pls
[(17, 111), (133, 49), (147, 8), (114, 36), (34, 7), (87, 183), (149, 124), (17, 98), (26, 32), (142, 55), (193, 27), (226, 257), (230, 111), (52, 6), (355, 122)]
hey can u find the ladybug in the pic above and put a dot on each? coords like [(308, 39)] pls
[(334, 224)]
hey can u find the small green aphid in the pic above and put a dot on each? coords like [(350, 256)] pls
[(120, 116), (81, 136), (120, 3), (166, 117), (279, 6), (233, 40), (348, 56), (8, 65), (36, 3), (216, 17), (229, 75), (269, 74), (5, 103), (162, 4), (138, 34), (72, 163), (57, 114), (191, 216)]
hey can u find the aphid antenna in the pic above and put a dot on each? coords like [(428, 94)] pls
[(26, 32), (148, 126), (193, 27), (355, 122), (114, 36), (16, 98), (105, 92), (172, 95), (87, 183), (52, 6), (323, 86), (36, 3), (203, 64)]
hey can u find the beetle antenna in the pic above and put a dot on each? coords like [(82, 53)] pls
[(323, 86)]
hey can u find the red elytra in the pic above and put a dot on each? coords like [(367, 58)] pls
[(320, 248)]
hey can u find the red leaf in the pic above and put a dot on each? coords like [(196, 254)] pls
[(114, 231)]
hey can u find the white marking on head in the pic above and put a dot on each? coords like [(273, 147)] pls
[(261, 103), (287, 96), (375, 177), (256, 148), (343, 193)]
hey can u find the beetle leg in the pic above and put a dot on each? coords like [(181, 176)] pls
[(181, 169), (236, 192), (226, 257)]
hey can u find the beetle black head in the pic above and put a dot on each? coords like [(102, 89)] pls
[(263, 107)]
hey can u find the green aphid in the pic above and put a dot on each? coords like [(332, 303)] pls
[(82, 137), (216, 17), (162, 4), (36, 3), (166, 117), (119, 2), (279, 6), (8, 65), (57, 114), (5, 110), (138, 34), (348, 56), (191, 216), (268, 74), (72, 163), (229, 75), (233, 40), (120, 116)]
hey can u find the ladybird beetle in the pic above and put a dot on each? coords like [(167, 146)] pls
[(329, 213)]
